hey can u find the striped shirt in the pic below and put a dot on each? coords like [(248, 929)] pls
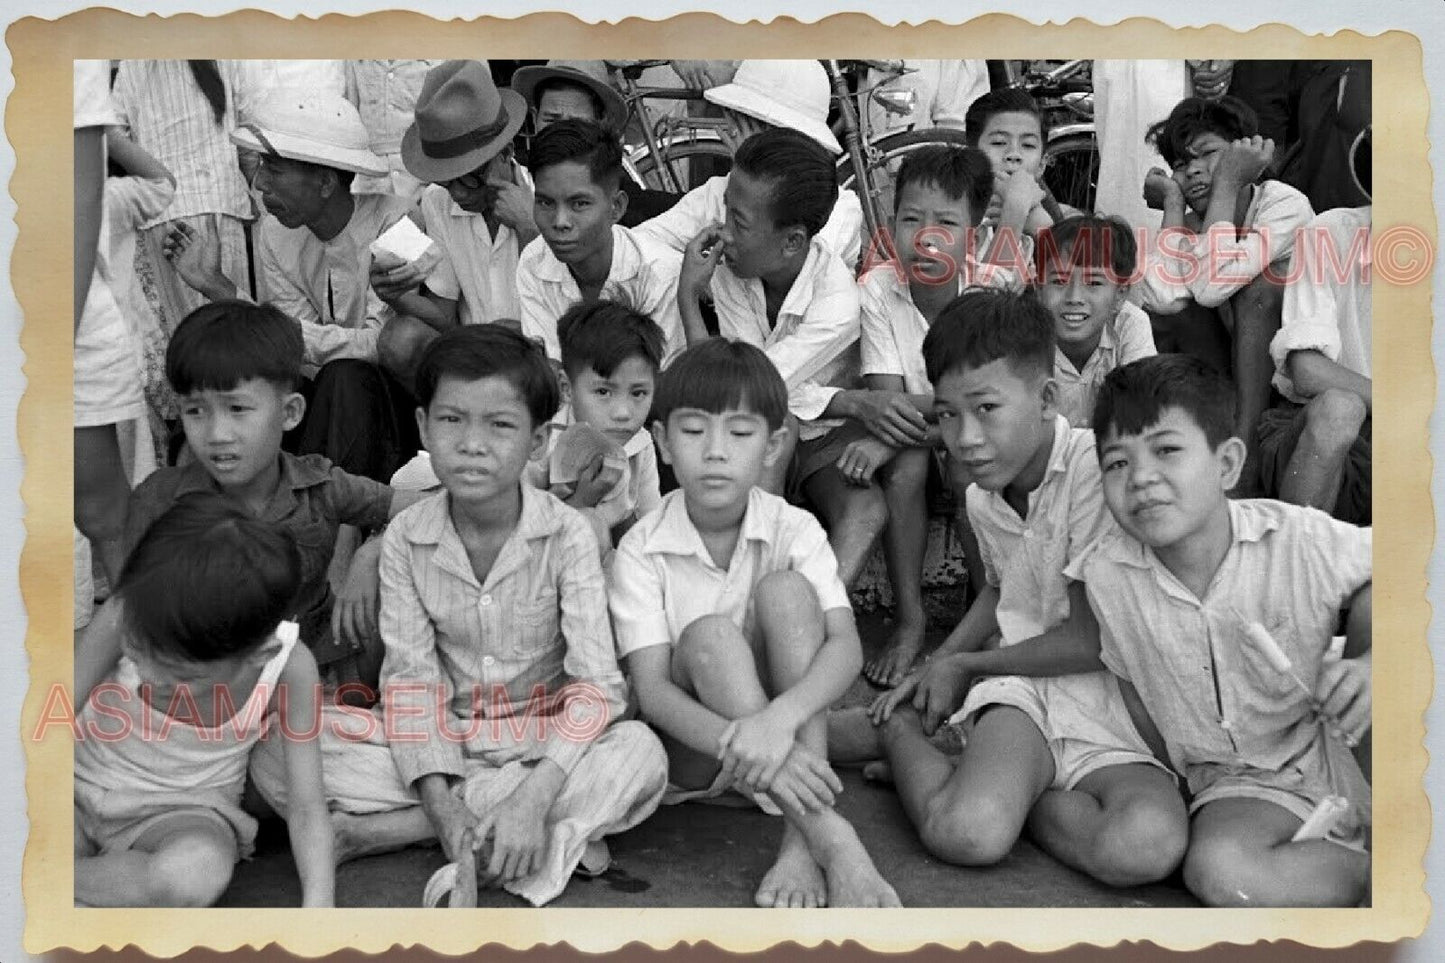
[(171, 119), (460, 648), (385, 93)]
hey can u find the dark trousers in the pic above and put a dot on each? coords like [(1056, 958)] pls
[(359, 417)]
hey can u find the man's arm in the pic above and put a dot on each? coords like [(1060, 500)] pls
[(1311, 372)]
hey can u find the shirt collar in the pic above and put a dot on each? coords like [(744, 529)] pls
[(1107, 343), (626, 260), (675, 533), (432, 525), (296, 474), (1247, 524)]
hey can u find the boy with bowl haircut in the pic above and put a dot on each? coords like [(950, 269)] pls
[(235, 367), (501, 684), (780, 287), (1220, 613), (1008, 127), (1086, 264), (583, 253), (1050, 740), (735, 627), (939, 197), (1213, 281)]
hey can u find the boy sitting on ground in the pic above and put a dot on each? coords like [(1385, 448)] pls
[(502, 691), (1221, 612), (1213, 279), (939, 196), (599, 456), (1050, 741), (235, 367), (781, 288), (735, 626), (1085, 266), (583, 253)]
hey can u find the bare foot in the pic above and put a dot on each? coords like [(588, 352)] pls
[(890, 666), (852, 737), (795, 880), (853, 880), (348, 839), (355, 836)]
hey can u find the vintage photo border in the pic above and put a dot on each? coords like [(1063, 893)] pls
[(36, 123)]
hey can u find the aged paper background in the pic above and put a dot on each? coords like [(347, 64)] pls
[(36, 123)]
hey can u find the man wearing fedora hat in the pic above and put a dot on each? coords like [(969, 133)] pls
[(765, 94), (579, 90), (477, 205), (313, 255)]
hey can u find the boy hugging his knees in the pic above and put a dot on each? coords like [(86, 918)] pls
[(1050, 740), (735, 627), (1220, 613), (235, 367), (501, 688), (776, 284), (939, 197), (1085, 265), (599, 456)]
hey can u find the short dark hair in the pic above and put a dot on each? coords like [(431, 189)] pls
[(1090, 241), (578, 140), (721, 375), (963, 173), (1133, 397), (562, 83), (983, 325), (1006, 100), (221, 344), (208, 580), (1229, 117), (477, 351), (801, 172), (602, 334)]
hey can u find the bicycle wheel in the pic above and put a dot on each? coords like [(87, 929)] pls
[(690, 163), (883, 158), (1071, 170)]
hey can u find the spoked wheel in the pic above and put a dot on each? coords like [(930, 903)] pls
[(884, 157), (1071, 170), (688, 164)]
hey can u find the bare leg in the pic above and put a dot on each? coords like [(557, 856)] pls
[(367, 835), (1315, 472), (855, 518), (1123, 825), (1256, 319), (101, 496), (904, 542), (959, 480), (188, 868), (852, 737), (973, 815), (1240, 855)]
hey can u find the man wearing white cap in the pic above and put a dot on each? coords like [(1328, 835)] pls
[(764, 94), (313, 256)]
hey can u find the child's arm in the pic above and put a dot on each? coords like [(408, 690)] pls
[(699, 261), (134, 159), (1312, 372), (1343, 689), (1229, 261), (99, 649), (307, 821)]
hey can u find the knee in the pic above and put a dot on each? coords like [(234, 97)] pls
[(708, 642), (400, 344), (867, 510), (641, 747), (783, 594), (1143, 843), (979, 834), (192, 871), (1215, 871), (1333, 418), (908, 472)]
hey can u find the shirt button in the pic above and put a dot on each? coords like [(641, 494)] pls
[(486, 600), (1226, 725), (488, 660)]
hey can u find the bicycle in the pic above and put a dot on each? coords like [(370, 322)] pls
[(1065, 97)]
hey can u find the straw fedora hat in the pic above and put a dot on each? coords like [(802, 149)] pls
[(784, 93), (461, 122), (588, 74), (311, 126)]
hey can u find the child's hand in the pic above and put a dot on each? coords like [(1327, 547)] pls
[(882, 708), (392, 282), (1019, 191), (195, 254), (862, 458), (1243, 162), (1343, 694), (353, 615), (941, 689), (517, 828), (890, 416), (805, 782), (699, 261), (1159, 188), (596, 479), (753, 748)]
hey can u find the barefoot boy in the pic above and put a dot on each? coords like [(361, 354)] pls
[(1050, 739), (736, 630), (1183, 593)]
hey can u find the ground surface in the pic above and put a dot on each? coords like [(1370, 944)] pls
[(706, 855)]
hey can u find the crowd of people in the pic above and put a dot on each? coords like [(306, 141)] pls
[(509, 499)]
